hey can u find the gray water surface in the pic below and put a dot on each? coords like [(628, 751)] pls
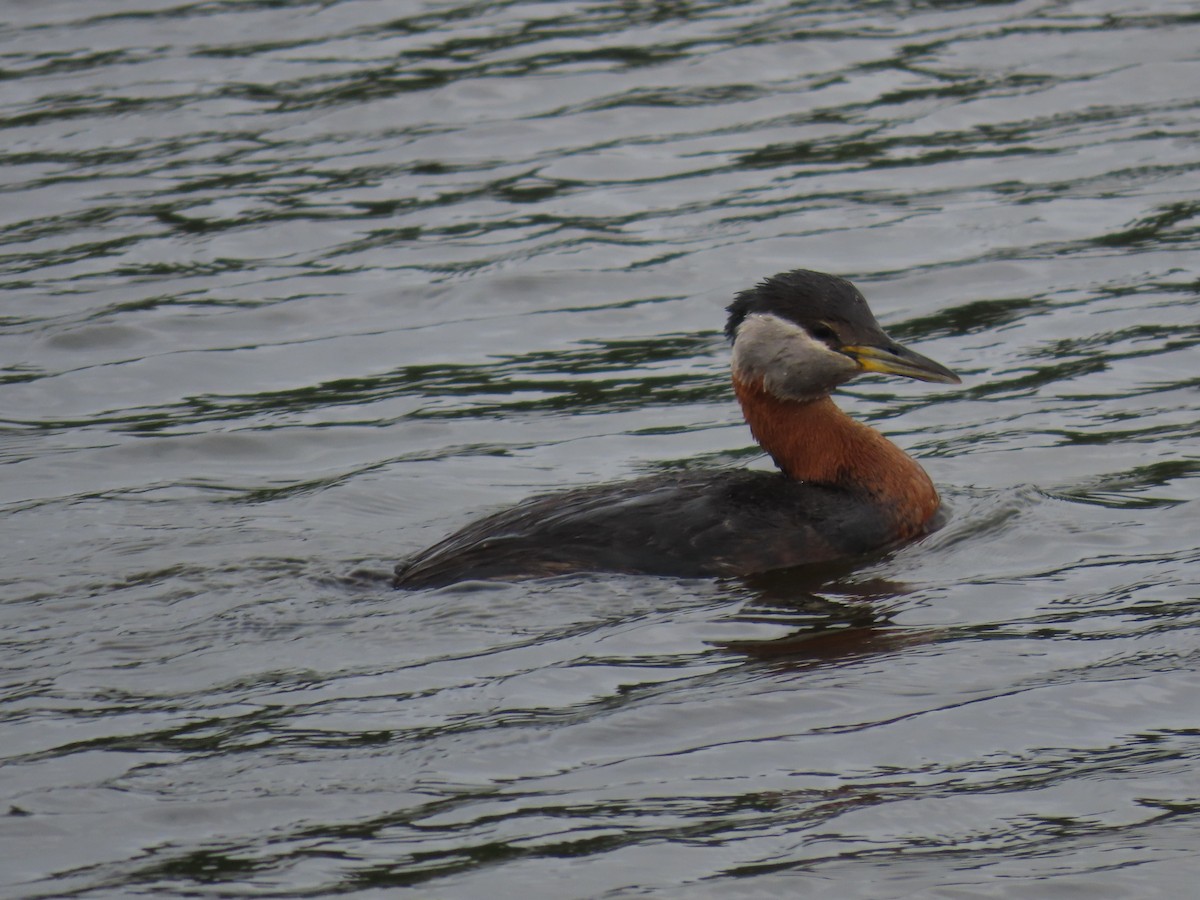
[(292, 289)]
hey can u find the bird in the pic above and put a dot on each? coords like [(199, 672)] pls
[(842, 489)]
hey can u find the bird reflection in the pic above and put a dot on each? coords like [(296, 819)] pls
[(826, 621)]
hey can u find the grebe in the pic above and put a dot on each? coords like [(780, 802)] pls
[(843, 489)]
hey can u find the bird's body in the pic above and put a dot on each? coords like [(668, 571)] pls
[(688, 525), (843, 489)]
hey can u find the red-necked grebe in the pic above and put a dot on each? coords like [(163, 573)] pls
[(843, 489)]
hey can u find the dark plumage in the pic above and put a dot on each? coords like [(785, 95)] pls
[(802, 295), (721, 522)]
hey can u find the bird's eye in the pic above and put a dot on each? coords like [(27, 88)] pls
[(822, 332)]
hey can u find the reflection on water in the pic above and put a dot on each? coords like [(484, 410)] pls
[(293, 289), (815, 618)]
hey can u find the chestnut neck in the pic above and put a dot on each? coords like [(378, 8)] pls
[(814, 441)]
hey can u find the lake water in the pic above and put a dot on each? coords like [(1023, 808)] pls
[(292, 289)]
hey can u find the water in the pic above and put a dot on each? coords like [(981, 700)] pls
[(293, 289)]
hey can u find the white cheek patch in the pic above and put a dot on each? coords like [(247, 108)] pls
[(791, 363)]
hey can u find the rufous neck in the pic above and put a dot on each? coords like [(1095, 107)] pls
[(814, 441)]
